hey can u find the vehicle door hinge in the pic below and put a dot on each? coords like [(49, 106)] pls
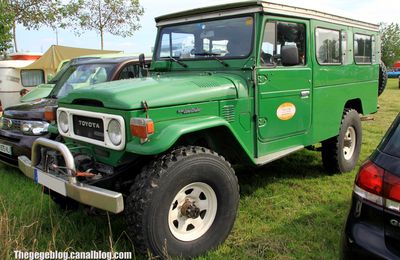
[(262, 122)]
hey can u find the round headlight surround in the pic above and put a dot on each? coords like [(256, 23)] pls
[(63, 121), (114, 131)]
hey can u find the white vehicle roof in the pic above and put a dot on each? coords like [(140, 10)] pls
[(16, 64)]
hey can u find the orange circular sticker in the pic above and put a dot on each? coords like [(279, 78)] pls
[(286, 111)]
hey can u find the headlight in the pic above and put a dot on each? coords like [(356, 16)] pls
[(63, 121), (34, 127), (114, 132), (5, 123)]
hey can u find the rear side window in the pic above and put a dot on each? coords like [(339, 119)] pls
[(328, 46), (31, 78), (362, 49), (392, 143)]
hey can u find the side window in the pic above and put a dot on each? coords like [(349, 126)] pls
[(328, 46), (31, 78), (129, 72), (362, 49), (278, 35)]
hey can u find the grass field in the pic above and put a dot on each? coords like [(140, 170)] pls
[(289, 209)]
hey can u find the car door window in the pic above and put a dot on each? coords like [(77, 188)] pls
[(129, 72), (279, 34)]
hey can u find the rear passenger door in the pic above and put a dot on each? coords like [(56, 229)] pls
[(283, 92)]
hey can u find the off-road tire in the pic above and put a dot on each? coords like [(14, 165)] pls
[(152, 197), (333, 153), (383, 77)]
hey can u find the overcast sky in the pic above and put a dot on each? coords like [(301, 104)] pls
[(374, 11)]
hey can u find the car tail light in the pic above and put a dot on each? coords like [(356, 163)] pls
[(378, 186), (370, 178), (142, 127)]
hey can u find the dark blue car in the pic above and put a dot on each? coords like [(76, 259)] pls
[(372, 230)]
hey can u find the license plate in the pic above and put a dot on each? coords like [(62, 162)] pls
[(5, 149)]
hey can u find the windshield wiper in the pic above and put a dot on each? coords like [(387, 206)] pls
[(212, 55), (177, 61)]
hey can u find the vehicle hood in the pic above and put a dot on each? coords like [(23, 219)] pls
[(40, 91), (29, 111), (156, 91)]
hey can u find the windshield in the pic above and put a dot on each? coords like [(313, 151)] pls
[(224, 38), (78, 76)]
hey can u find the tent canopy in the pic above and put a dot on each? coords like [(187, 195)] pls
[(56, 53), (396, 64)]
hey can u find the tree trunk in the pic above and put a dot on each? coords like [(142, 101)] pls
[(101, 39), (15, 37)]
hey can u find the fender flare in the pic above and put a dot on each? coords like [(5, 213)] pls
[(172, 131)]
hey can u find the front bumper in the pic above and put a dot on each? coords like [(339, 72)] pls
[(68, 185)]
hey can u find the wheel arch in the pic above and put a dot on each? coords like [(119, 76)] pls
[(214, 133), (354, 104)]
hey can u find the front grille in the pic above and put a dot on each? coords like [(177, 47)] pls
[(89, 127), (16, 124)]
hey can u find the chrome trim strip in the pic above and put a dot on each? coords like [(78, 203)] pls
[(392, 205), (368, 195)]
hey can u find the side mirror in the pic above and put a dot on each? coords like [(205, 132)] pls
[(290, 55)]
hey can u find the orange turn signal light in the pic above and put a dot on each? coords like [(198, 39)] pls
[(50, 113), (142, 127)]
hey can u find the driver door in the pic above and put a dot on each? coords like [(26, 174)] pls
[(284, 92)]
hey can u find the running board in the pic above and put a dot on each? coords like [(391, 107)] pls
[(277, 155)]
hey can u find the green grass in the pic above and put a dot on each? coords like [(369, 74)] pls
[(289, 209)]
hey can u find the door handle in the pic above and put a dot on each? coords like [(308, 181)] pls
[(305, 94)]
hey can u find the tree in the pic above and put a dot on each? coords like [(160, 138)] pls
[(118, 17), (34, 13), (6, 21), (390, 43)]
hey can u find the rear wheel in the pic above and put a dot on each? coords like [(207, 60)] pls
[(382, 78), (184, 204), (340, 153)]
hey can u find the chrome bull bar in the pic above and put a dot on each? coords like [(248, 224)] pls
[(87, 194)]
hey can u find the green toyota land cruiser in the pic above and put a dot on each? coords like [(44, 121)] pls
[(241, 83)]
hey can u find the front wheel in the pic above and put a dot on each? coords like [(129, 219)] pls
[(183, 204), (340, 153)]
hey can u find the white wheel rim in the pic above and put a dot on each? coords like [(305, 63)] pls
[(203, 197), (349, 143)]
